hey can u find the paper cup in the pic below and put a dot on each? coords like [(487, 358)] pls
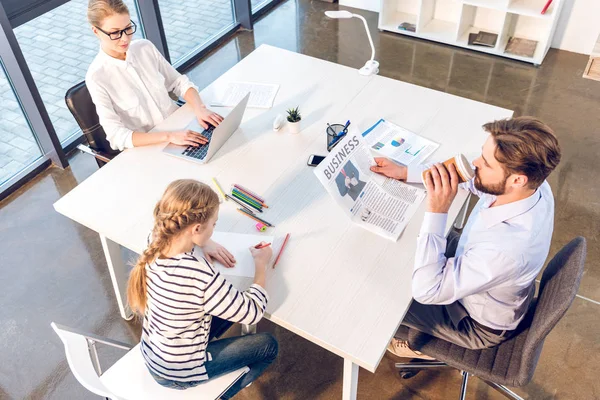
[(462, 165)]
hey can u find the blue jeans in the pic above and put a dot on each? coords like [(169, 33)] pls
[(254, 351)]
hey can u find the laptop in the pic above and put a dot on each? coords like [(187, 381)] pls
[(217, 136)]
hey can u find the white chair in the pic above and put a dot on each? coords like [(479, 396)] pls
[(128, 378)]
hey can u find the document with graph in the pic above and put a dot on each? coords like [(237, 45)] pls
[(399, 144)]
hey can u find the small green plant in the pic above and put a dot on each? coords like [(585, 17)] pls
[(294, 115)]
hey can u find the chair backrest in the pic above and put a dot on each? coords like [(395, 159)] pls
[(80, 361), (82, 107), (558, 287)]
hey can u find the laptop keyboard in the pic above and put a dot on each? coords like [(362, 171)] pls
[(200, 151)]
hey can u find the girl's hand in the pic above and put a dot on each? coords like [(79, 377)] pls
[(214, 251), (187, 137), (207, 117), (261, 256)]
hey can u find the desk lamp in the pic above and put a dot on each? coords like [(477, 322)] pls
[(371, 67)]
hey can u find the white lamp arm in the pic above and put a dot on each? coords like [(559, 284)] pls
[(368, 34)]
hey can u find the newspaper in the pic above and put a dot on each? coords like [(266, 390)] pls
[(376, 203), (399, 144)]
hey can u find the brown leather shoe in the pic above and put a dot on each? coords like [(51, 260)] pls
[(400, 348)]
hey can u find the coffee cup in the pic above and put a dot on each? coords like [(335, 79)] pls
[(463, 168)]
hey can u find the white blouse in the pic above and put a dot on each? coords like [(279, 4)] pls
[(133, 94)]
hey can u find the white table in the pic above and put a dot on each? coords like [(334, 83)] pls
[(336, 285)]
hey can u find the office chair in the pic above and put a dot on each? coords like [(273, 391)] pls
[(128, 378), (83, 109), (512, 362)]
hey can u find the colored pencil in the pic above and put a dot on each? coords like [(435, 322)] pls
[(239, 203), (251, 193), (254, 217), (281, 250), (247, 198), (262, 246), (241, 199), (259, 201), (219, 188)]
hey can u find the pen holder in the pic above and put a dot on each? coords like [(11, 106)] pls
[(335, 133)]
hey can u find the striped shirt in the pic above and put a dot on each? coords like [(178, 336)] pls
[(183, 293)]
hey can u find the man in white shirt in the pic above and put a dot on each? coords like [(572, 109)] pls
[(475, 290)]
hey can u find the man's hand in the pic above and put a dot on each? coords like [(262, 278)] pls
[(442, 185), (214, 251), (389, 168)]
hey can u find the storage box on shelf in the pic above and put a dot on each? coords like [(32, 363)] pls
[(451, 22)]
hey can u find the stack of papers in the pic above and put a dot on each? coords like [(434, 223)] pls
[(262, 95)]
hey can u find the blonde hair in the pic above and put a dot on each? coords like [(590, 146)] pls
[(98, 10), (185, 202)]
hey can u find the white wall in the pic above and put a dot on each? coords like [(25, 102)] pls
[(577, 30)]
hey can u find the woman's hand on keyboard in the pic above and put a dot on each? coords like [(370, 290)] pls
[(187, 137), (207, 117)]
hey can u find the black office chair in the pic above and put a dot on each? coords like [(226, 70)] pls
[(513, 362), (83, 109)]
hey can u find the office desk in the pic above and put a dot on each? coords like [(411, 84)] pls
[(336, 285)]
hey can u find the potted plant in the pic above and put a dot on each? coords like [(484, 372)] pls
[(294, 118)]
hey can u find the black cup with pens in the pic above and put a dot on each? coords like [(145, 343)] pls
[(335, 133)]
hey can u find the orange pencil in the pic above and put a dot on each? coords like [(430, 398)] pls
[(262, 246)]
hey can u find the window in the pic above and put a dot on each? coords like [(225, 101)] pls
[(191, 25), (18, 145), (58, 47)]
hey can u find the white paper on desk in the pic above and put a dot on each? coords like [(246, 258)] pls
[(399, 144), (239, 245), (262, 95)]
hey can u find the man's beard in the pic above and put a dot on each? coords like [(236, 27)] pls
[(497, 189)]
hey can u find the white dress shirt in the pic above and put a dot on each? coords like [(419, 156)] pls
[(133, 94), (501, 251)]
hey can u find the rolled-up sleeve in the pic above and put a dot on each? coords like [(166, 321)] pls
[(174, 81), (118, 135)]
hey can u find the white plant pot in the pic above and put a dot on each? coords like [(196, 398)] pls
[(294, 127)]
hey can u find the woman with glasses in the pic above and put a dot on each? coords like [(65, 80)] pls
[(129, 82)]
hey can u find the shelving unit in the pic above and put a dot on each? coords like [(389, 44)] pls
[(451, 22)]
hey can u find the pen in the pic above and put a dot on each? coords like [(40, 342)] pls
[(262, 246), (239, 203), (254, 217), (281, 249), (219, 188), (347, 125)]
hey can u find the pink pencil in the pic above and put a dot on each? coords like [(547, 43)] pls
[(281, 250)]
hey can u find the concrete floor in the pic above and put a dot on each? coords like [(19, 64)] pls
[(53, 269)]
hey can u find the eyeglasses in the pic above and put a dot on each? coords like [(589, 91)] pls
[(116, 35)]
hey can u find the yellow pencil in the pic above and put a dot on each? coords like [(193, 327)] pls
[(219, 188)]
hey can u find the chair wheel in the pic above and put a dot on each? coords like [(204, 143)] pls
[(408, 374)]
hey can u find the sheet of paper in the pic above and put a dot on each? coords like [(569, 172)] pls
[(399, 144), (238, 244), (262, 95)]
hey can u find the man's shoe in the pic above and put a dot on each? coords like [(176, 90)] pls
[(400, 348)]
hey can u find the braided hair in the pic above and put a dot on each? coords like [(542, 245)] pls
[(185, 202)]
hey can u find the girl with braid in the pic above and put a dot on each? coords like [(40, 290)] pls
[(186, 302)]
